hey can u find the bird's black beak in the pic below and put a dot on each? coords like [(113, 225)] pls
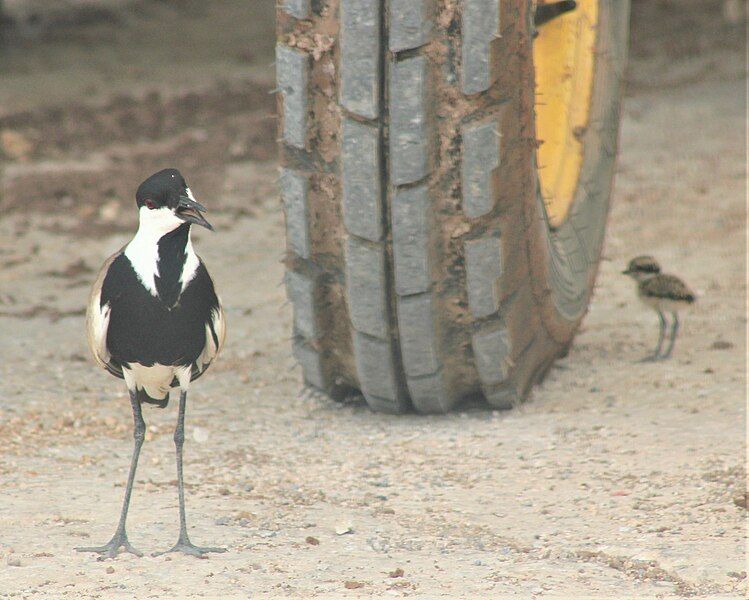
[(190, 211)]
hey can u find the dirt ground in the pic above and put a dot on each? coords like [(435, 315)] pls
[(616, 480)]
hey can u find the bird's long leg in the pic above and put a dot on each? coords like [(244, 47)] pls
[(183, 543), (119, 539), (674, 331), (661, 335)]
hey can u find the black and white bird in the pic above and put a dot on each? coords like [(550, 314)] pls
[(664, 294), (154, 319)]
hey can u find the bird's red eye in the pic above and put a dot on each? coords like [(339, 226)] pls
[(149, 204)]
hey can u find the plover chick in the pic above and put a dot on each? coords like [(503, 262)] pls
[(663, 293)]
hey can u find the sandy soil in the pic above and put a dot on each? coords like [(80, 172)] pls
[(617, 479)]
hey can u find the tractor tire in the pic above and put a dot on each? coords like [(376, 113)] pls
[(422, 265)]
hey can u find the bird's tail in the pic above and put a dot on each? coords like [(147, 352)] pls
[(144, 397)]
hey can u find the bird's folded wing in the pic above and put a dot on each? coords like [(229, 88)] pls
[(97, 322), (667, 287), (215, 333)]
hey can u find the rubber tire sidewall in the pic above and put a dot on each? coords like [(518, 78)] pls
[(564, 261)]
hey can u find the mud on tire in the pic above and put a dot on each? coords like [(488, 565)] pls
[(421, 265)]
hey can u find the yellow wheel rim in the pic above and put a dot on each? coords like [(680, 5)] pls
[(564, 57)]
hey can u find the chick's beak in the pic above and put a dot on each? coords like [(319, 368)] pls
[(191, 211)]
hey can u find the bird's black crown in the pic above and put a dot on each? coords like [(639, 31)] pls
[(162, 189), (643, 264)]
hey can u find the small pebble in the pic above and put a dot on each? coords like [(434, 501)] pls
[(110, 570), (353, 585), (14, 561), (343, 528)]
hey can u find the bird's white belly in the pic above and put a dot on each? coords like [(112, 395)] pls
[(156, 379)]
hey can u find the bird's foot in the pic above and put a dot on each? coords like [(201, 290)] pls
[(111, 549), (651, 358), (185, 546)]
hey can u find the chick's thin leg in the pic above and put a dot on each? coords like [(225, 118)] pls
[(674, 331), (661, 335)]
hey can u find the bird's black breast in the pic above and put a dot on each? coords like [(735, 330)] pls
[(172, 257), (143, 329)]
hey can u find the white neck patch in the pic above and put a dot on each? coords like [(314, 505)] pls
[(143, 249), (191, 263)]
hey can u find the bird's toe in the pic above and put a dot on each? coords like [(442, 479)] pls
[(191, 549), (112, 548)]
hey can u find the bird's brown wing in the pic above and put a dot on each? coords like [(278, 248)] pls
[(215, 334), (97, 321), (667, 287)]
